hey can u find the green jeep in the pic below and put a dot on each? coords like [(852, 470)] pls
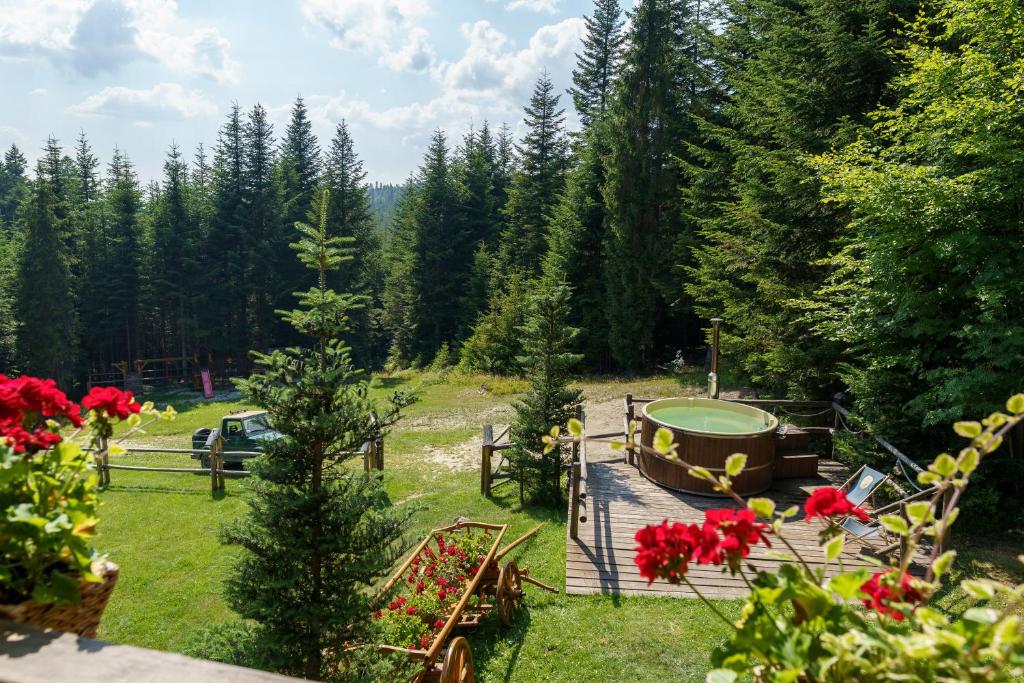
[(243, 431)]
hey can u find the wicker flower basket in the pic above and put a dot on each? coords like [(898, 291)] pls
[(82, 618)]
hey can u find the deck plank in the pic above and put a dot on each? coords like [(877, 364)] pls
[(620, 501)]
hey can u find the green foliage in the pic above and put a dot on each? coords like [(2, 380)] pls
[(349, 210), (925, 292), (596, 65), (497, 343), (796, 77), (50, 501), (48, 324), (649, 125), (536, 184), (578, 233), (318, 531), (548, 362)]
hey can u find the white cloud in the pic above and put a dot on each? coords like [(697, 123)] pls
[(162, 101), (416, 56), (40, 92), (549, 6), (491, 80), (491, 67), (387, 28), (96, 36)]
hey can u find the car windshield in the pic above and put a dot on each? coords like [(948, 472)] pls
[(256, 425)]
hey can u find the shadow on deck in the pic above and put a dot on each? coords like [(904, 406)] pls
[(621, 500)]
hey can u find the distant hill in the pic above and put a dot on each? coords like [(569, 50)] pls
[(383, 198)]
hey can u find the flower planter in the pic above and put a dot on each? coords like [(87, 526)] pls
[(82, 618)]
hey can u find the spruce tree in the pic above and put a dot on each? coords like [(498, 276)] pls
[(349, 211), (798, 77), (13, 186), (123, 201), (48, 328), (226, 314), (548, 362), (263, 236), (299, 175), (576, 245), (429, 245), (650, 128), (175, 270), (543, 160), (95, 300), (596, 65), (475, 173), (319, 532)]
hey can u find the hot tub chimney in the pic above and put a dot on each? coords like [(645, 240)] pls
[(713, 375)]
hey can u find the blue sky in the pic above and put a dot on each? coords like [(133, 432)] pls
[(140, 74)]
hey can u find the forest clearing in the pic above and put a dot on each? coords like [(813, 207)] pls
[(172, 550)]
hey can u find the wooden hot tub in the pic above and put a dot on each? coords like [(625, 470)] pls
[(707, 432)]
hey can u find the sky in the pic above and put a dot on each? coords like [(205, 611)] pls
[(141, 74)]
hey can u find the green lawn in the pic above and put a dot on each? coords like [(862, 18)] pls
[(162, 530)]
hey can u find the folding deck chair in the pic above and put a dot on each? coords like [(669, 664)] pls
[(871, 534)]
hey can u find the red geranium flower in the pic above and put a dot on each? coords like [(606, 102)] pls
[(26, 403), (112, 401), (665, 550), (739, 530), (442, 594), (439, 624), (830, 502), (883, 593)]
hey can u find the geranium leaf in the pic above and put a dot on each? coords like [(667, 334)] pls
[(762, 507), (967, 429), (833, 548), (735, 463), (847, 585), (895, 524), (663, 440), (981, 590), (943, 562)]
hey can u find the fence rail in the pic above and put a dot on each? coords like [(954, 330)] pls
[(372, 453)]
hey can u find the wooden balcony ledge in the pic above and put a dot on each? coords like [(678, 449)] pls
[(29, 655)]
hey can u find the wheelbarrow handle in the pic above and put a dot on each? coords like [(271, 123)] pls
[(529, 579), (507, 549)]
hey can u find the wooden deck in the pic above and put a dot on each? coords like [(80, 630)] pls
[(620, 501)]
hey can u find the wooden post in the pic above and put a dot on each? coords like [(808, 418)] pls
[(103, 461), (486, 451), (629, 456), (378, 449), (837, 425), (574, 502), (944, 540), (216, 445)]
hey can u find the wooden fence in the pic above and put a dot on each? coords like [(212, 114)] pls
[(372, 453)]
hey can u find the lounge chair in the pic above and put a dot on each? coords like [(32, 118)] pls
[(871, 534), (861, 487)]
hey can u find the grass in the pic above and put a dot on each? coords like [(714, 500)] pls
[(162, 530)]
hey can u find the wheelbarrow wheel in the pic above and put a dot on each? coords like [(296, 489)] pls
[(458, 662), (510, 592)]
